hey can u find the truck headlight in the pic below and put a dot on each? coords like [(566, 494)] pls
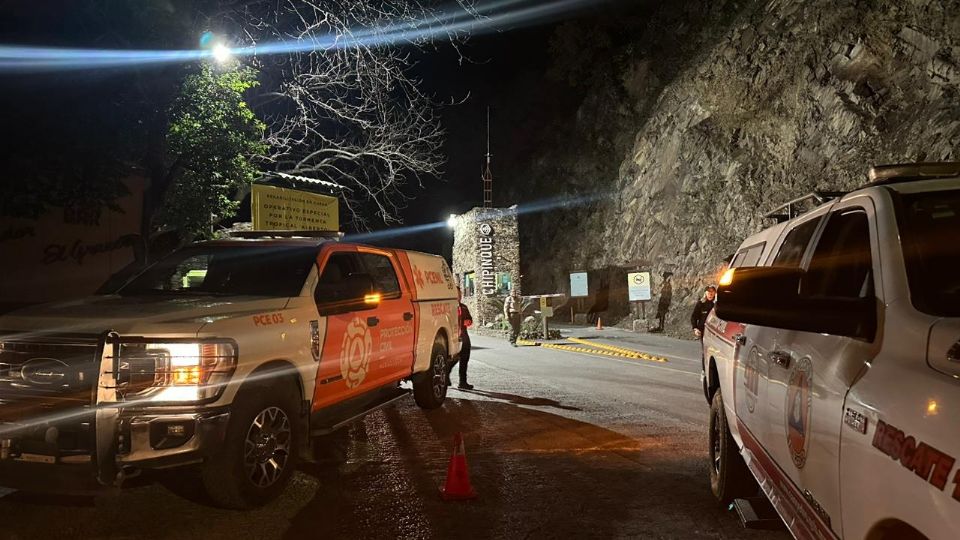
[(178, 371)]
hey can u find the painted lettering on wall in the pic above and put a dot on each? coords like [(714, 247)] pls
[(488, 276), (79, 250), (16, 233), (82, 214)]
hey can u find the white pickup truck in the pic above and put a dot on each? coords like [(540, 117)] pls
[(233, 355), (833, 366)]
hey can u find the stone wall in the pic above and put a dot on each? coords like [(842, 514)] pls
[(761, 102), (473, 232)]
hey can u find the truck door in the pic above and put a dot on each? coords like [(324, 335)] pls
[(756, 358), (352, 337), (396, 324), (811, 373), (746, 375)]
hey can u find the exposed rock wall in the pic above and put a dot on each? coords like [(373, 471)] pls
[(768, 101)]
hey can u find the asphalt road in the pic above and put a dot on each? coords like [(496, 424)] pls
[(559, 445)]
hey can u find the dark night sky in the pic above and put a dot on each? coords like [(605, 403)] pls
[(499, 72), (503, 70)]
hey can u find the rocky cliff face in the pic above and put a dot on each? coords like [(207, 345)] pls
[(718, 111)]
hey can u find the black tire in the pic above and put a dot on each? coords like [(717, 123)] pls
[(266, 421), (729, 477), (430, 387)]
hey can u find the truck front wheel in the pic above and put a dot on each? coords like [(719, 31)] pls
[(430, 387), (259, 454), (729, 477)]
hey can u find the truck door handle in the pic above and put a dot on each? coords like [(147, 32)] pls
[(372, 321), (740, 339), (408, 316), (780, 358)]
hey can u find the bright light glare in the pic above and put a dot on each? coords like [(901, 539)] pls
[(727, 277), (221, 53), (186, 375), (452, 221), (495, 16), (177, 393), (181, 354), (560, 202)]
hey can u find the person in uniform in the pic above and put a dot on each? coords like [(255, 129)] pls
[(465, 320), (511, 310), (663, 304), (698, 319)]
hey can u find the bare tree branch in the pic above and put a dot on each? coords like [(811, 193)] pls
[(350, 114)]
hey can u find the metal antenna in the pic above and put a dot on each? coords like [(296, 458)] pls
[(488, 136), (488, 174)]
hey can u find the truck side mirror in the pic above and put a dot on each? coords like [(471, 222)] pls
[(770, 296), (356, 293)]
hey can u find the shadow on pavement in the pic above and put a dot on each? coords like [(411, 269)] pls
[(538, 475), (521, 400)]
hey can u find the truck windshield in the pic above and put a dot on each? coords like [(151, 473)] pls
[(227, 271), (929, 227)]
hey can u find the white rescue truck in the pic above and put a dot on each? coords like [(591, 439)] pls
[(232, 355), (832, 363)]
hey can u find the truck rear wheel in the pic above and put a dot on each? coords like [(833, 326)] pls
[(729, 477), (259, 454), (430, 387)]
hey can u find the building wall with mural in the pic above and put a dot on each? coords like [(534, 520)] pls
[(67, 252), (486, 259)]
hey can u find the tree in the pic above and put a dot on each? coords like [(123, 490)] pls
[(347, 111), (211, 137)]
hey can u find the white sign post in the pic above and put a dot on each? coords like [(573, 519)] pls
[(578, 290), (638, 286), (578, 284)]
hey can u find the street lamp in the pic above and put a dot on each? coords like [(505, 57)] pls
[(221, 53)]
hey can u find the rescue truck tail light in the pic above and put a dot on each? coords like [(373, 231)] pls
[(161, 371)]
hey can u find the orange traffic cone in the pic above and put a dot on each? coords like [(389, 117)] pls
[(458, 486), (599, 324)]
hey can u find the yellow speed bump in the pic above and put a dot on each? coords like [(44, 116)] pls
[(626, 352), (595, 349)]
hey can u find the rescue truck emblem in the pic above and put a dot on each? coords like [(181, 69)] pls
[(355, 353), (798, 411), (418, 277)]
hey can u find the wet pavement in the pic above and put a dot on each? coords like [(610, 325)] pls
[(559, 445)]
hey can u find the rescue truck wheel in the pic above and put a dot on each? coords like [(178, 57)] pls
[(430, 387), (259, 453), (729, 477)]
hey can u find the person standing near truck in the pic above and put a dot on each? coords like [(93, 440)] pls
[(698, 319), (466, 321), (511, 310)]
